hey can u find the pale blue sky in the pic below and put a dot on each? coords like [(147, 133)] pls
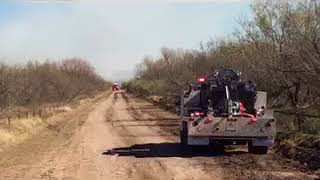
[(112, 36)]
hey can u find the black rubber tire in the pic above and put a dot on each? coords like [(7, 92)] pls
[(257, 149), (184, 134)]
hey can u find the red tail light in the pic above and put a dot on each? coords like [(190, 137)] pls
[(202, 80), (197, 114)]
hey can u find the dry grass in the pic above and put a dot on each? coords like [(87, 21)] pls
[(19, 131)]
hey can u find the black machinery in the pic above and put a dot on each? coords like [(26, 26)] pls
[(223, 94)]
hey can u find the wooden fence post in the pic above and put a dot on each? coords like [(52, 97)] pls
[(34, 113), (19, 116), (27, 115), (40, 112), (9, 120)]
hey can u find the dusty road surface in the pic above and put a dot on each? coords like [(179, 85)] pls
[(120, 137)]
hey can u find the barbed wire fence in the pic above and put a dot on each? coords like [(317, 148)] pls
[(8, 116)]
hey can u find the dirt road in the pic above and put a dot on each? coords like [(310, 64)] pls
[(119, 137)]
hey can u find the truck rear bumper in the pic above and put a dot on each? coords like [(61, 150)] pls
[(256, 141)]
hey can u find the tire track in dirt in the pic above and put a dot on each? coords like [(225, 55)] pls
[(163, 150), (169, 125), (133, 168)]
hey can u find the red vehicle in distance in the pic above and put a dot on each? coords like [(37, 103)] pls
[(115, 87)]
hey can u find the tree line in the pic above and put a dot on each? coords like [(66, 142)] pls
[(36, 83), (278, 47)]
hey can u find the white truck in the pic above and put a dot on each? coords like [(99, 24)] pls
[(222, 109)]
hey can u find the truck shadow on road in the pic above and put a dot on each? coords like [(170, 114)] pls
[(164, 150)]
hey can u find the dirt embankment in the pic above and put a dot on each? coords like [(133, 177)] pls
[(302, 148)]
